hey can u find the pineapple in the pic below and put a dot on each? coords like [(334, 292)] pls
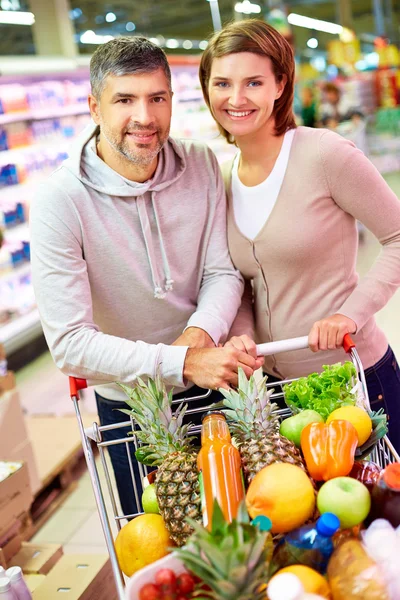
[(232, 559), (254, 422), (167, 446)]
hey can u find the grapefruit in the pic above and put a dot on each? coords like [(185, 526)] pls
[(312, 581), (284, 493), (141, 542)]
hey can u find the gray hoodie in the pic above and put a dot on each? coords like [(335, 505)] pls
[(120, 268)]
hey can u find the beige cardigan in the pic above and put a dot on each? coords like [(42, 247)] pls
[(302, 263)]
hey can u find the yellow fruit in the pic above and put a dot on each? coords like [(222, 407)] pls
[(284, 493), (312, 581), (358, 417), (141, 542)]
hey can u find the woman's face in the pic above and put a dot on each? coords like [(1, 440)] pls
[(242, 91)]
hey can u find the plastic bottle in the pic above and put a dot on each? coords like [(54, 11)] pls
[(18, 584), (287, 586), (219, 465), (6, 592), (310, 545), (385, 496)]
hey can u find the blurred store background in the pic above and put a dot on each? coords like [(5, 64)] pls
[(348, 79)]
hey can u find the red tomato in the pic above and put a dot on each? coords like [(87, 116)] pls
[(185, 583), (166, 580), (150, 591)]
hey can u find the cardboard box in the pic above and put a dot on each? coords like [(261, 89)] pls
[(24, 452), (15, 497), (35, 559), (13, 431), (79, 577), (33, 581), (9, 549)]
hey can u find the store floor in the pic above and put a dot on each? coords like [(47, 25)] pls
[(44, 390)]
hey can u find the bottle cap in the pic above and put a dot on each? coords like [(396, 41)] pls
[(14, 573), (5, 584), (262, 522), (391, 476), (285, 586), (328, 524), (209, 413)]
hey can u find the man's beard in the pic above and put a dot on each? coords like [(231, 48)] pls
[(140, 159)]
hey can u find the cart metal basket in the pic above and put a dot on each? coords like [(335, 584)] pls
[(383, 454)]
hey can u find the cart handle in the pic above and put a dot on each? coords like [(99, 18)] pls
[(300, 343), (76, 384)]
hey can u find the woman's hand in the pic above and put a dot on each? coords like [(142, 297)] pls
[(328, 334), (244, 343)]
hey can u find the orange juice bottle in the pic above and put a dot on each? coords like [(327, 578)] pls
[(219, 465)]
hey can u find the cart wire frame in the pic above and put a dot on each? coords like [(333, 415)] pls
[(383, 453)]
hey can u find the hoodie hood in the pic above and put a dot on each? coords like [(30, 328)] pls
[(85, 164)]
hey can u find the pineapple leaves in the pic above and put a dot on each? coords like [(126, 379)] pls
[(150, 406), (231, 558)]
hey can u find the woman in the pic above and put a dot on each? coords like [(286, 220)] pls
[(294, 195)]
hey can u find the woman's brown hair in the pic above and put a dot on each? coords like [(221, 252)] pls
[(254, 35)]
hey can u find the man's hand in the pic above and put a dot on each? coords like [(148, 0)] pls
[(328, 333), (216, 368), (244, 343), (194, 337)]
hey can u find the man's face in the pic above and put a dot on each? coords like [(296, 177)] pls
[(134, 114)]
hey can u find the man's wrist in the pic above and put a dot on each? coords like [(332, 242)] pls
[(198, 338)]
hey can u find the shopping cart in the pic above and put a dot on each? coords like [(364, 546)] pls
[(383, 454)]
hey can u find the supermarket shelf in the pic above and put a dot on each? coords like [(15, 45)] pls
[(16, 232), (17, 273), (20, 331), (50, 145), (47, 113)]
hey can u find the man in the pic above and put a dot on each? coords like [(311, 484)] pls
[(130, 265)]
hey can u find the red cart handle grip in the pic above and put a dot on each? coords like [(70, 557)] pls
[(75, 385), (348, 343)]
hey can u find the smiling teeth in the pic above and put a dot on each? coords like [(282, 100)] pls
[(239, 114)]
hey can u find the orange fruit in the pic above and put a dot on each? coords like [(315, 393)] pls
[(141, 542), (284, 493), (312, 581)]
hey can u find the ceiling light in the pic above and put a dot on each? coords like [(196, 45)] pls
[(316, 24), (172, 43), (312, 43), (187, 44), (90, 37), (14, 17), (155, 41), (203, 44), (130, 26), (246, 7), (111, 17)]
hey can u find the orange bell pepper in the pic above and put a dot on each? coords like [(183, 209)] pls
[(329, 449)]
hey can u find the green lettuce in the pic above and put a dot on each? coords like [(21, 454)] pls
[(323, 392)]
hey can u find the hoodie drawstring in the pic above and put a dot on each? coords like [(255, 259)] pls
[(167, 271), (159, 290)]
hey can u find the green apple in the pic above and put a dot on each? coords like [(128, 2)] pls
[(292, 427), (149, 500), (346, 498)]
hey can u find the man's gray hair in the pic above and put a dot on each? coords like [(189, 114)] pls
[(126, 56)]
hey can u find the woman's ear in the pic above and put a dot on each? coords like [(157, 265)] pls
[(281, 87)]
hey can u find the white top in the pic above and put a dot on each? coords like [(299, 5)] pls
[(253, 205)]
